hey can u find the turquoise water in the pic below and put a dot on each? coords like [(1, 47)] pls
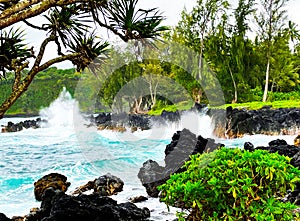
[(83, 155), (30, 154)]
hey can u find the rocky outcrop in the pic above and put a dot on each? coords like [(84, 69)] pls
[(282, 148), (54, 181), (184, 143), (264, 121), (106, 185), (119, 122), (15, 127), (278, 145), (4, 218), (58, 206), (294, 196)]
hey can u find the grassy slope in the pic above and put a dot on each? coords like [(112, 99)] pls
[(250, 106)]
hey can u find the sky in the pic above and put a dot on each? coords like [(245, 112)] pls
[(170, 9)]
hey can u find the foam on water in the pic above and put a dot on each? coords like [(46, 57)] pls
[(28, 155)]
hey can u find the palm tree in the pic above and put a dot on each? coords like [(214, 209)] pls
[(293, 32)]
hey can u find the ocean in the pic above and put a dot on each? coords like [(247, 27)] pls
[(68, 146)]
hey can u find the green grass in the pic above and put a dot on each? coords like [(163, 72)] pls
[(185, 105), (250, 106), (258, 105)]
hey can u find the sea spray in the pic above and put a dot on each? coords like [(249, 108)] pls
[(198, 123), (63, 112)]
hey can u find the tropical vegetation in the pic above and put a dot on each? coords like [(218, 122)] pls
[(233, 184), (254, 57), (69, 25)]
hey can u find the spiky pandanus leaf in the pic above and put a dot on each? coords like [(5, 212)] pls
[(130, 23), (12, 48), (92, 52), (67, 23)]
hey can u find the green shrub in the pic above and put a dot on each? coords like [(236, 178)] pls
[(283, 96), (233, 184)]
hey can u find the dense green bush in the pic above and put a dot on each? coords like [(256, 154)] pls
[(233, 184), (281, 96)]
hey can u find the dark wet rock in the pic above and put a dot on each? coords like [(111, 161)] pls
[(297, 141), (56, 205), (248, 146), (106, 185), (151, 175), (184, 144), (293, 196), (170, 116), (277, 142), (110, 121), (239, 122), (15, 127), (18, 218), (285, 150), (295, 161), (54, 180), (4, 217), (103, 118), (86, 207), (279, 146), (138, 199), (199, 107), (139, 121)]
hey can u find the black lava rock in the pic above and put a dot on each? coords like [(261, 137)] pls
[(4, 218), (184, 144)]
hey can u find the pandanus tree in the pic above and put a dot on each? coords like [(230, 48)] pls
[(72, 26)]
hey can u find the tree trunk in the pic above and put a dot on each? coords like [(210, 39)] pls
[(200, 62), (267, 81), (235, 88), (137, 105)]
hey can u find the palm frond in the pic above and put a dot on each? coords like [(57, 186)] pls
[(67, 23), (92, 52), (12, 48), (132, 23)]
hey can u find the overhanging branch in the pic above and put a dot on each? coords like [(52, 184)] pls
[(30, 9), (18, 7), (58, 60)]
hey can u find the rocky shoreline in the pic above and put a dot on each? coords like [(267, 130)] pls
[(230, 123), (267, 121), (56, 205)]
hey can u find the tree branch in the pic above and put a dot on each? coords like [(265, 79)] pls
[(42, 49), (34, 26), (22, 87), (18, 7), (57, 60), (13, 14)]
